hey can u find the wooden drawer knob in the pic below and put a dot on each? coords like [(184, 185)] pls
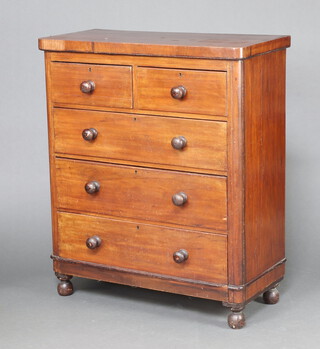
[(89, 134), (179, 142), (180, 256), (93, 242), (178, 92), (179, 199), (92, 187), (87, 86)]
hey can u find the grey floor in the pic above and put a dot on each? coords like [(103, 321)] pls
[(103, 315)]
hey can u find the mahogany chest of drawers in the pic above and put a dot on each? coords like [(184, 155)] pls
[(167, 158)]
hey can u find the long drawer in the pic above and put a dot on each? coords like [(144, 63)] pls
[(143, 247), (102, 85), (144, 139), (147, 194)]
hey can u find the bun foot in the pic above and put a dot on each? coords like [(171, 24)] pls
[(236, 319), (271, 296), (65, 287)]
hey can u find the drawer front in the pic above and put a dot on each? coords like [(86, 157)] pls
[(143, 247), (112, 84), (142, 138), (146, 194), (206, 91)]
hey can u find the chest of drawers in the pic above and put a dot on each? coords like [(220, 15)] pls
[(167, 159)]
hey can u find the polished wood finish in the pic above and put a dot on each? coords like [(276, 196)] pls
[(243, 294), (93, 242), (216, 65), (89, 134), (113, 84), (206, 91), (225, 46), (51, 140), (143, 247), (167, 164), (264, 281), (123, 193), (140, 61), (235, 179), (181, 256), (178, 92), (87, 86), (180, 199), (92, 187), (164, 283), (236, 320), (179, 142), (264, 162), (148, 139), (271, 296), (65, 287)]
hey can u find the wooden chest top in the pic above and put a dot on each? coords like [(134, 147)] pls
[(214, 46)]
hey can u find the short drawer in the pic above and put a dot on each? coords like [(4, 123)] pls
[(143, 247), (148, 139), (102, 85), (205, 91), (146, 194)]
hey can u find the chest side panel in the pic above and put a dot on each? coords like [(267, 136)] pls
[(264, 107)]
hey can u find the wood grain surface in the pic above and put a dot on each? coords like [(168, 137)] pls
[(225, 46), (264, 105), (235, 184), (232, 169), (144, 247), (143, 139), (206, 90), (113, 84), (194, 288), (140, 193)]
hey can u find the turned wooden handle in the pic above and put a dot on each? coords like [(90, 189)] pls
[(89, 134), (179, 199), (87, 86), (179, 142), (180, 256), (178, 92), (92, 187), (93, 242)]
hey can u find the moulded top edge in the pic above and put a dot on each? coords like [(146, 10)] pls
[(188, 45)]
